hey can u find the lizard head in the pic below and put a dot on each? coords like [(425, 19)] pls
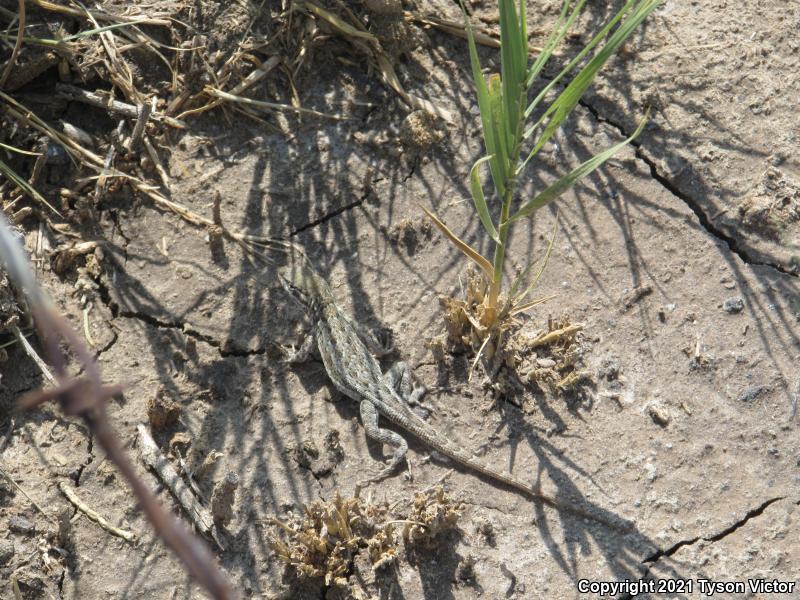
[(305, 286)]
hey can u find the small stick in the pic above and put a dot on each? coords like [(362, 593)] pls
[(92, 515), (153, 458), (32, 353), (101, 183), (41, 161), (142, 116), (70, 92), (86, 331), (552, 336)]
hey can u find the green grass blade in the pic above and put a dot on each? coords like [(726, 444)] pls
[(545, 260), (581, 55), (484, 106), (499, 128), (512, 294), (513, 55), (566, 182), (478, 199), (553, 40), (577, 59), (566, 101)]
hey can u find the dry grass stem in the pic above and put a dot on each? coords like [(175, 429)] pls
[(17, 43), (457, 29), (100, 15)]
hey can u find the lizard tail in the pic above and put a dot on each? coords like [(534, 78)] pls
[(449, 449)]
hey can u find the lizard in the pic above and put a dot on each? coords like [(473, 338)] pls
[(345, 350)]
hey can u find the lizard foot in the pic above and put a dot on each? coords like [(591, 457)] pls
[(294, 355)]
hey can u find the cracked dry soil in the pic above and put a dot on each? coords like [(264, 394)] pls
[(687, 429)]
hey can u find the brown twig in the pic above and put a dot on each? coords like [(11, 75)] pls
[(86, 397)]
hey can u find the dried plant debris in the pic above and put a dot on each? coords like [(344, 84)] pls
[(12, 305), (463, 317), (432, 514), (551, 359), (324, 542)]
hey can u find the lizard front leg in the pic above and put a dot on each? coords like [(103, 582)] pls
[(369, 417), (379, 344), (399, 379), (298, 355)]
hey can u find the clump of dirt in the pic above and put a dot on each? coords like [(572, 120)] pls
[(421, 130), (774, 205), (162, 412), (308, 456), (409, 234)]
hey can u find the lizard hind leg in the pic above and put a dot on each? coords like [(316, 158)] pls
[(369, 416)]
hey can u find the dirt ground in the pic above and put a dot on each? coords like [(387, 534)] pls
[(680, 258)]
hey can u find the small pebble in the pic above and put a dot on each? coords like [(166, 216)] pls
[(752, 393), (659, 415), (733, 305)]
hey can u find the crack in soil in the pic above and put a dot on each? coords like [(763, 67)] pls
[(713, 538), (116, 313), (109, 345), (355, 204), (194, 334), (328, 216), (668, 552), (89, 458), (731, 242)]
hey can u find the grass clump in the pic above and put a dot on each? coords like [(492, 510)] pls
[(513, 138)]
